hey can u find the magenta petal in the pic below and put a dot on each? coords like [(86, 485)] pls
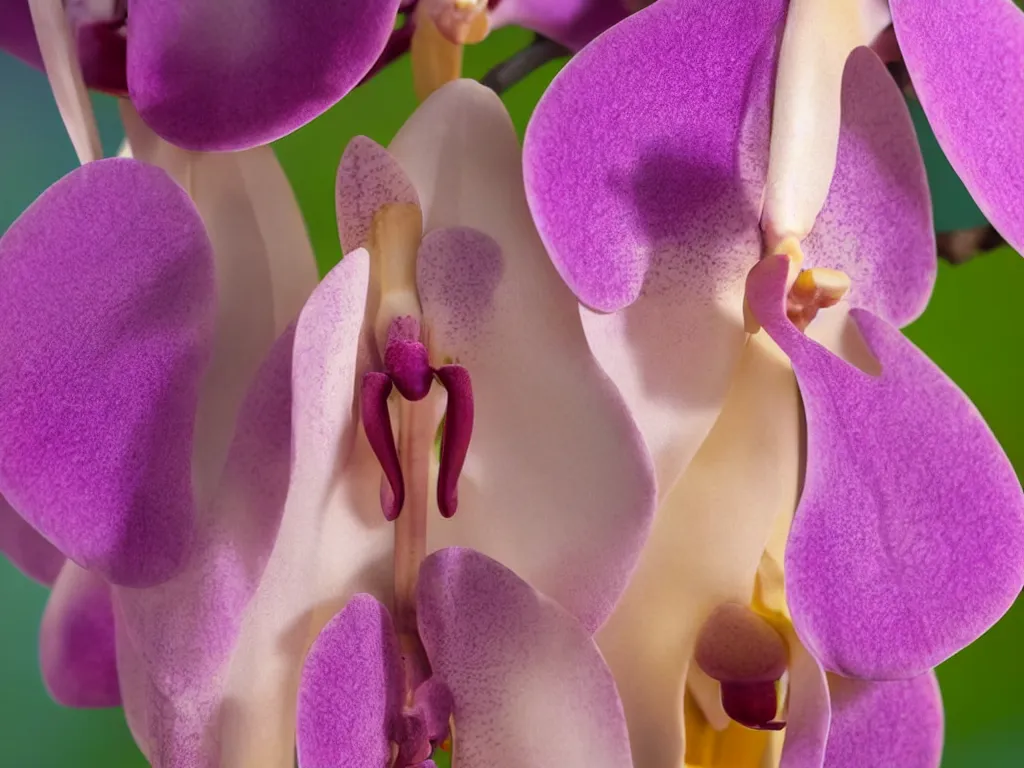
[(898, 723), (876, 224), (233, 74), (368, 178), (377, 423), (76, 641), (103, 51), (966, 59), (17, 34), (644, 171), (458, 429), (526, 679), (908, 542), (26, 549), (352, 690), (573, 23), (105, 331)]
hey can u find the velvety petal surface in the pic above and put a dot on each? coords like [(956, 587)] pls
[(876, 224), (705, 548), (223, 684), (352, 690), (908, 542), (528, 684), (26, 549), (573, 23), (106, 325), (647, 196), (240, 73), (556, 483), (264, 269), (965, 59), (76, 641), (885, 723)]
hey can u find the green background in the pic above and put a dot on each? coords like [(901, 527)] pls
[(973, 329)]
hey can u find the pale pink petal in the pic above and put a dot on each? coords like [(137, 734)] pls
[(528, 684), (808, 709), (27, 550), (76, 641), (556, 484)]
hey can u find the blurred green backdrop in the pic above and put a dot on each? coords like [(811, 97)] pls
[(974, 329)]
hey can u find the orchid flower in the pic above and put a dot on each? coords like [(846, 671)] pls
[(216, 604), (440, 29), (205, 76), (518, 677), (964, 59), (646, 175)]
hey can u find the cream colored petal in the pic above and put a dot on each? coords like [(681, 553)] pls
[(705, 549), (818, 38), (60, 57)]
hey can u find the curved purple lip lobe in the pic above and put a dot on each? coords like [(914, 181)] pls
[(407, 368)]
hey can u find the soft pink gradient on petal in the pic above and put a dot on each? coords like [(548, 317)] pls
[(235, 74), (965, 58), (646, 195), (898, 723), (573, 23), (808, 710), (352, 689), (29, 552), (876, 225), (106, 330), (368, 178), (175, 641), (908, 542), (76, 641), (526, 679)]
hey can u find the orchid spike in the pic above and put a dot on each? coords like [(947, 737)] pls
[(679, 187)]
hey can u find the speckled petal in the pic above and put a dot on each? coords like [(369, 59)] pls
[(76, 641), (239, 73), (876, 224), (965, 59), (526, 679), (908, 542), (645, 194), (885, 723), (368, 178), (107, 324), (26, 549), (352, 690), (573, 23)]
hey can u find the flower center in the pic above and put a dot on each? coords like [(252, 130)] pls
[(442, 28)]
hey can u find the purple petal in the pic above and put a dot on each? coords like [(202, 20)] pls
[(26, 549), (525, 677), (670, 192), (965, 59), (17, 34), (368, 178), (458, 429), (908, 542), (107, 327), (352, 689), (885, 723), (239, 73), (76, 641), (876, 224), (377, 423), (175, 640), (669, 188), (573, 23)]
